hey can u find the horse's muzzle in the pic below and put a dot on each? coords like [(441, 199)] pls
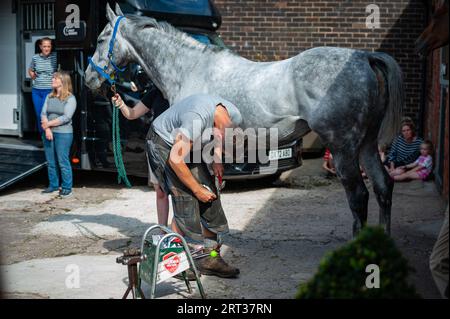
[(91, 79)]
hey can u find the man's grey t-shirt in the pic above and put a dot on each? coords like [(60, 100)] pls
[(191, 116)]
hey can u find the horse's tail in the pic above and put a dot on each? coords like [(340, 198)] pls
[(394, 97)]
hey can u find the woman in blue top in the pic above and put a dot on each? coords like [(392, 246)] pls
[(56, 121), (41, 70)]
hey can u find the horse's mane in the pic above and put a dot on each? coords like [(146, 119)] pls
[(143, 22)]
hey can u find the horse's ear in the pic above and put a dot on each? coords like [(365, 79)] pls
[(118, 10), (109, 13)]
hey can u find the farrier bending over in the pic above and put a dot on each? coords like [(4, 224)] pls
[(173, 136)]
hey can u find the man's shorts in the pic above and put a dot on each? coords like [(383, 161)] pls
[(151, 176), (189, 213)]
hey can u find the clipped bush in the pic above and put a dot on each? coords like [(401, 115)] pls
[(342, 273)]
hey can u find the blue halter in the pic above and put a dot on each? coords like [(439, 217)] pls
[(102, 71)]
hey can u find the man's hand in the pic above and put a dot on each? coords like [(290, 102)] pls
[(49, 134), (204, 195), (218, 169), (117, 101)]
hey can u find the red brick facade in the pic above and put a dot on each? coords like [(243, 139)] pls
[(436, 104), (277, 29)]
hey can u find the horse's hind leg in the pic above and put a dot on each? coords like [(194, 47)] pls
[(347, 168), (381, 181)]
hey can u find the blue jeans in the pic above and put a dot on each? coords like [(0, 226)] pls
[(57, 155), (38, 96)]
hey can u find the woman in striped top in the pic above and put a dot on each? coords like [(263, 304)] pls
[(405, 149), (41, 70)]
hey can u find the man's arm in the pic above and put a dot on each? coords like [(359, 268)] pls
[(130, 113), (178, 153), (217, 165)]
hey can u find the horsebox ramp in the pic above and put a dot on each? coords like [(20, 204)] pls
[(19, 161)]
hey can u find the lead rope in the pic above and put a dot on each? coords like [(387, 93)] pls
[(117, 147)]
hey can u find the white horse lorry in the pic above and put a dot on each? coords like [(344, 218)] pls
[(74, 26), (22, 24)]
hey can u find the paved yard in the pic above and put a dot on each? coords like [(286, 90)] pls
[(278, 234)]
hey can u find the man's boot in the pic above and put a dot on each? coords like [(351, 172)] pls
[(212, 264)]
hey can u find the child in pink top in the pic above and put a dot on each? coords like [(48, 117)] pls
[(420, 169)]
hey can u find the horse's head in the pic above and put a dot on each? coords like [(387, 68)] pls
[(108, 54), (436, 33)]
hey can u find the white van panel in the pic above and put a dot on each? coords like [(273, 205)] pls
[(8, 66)]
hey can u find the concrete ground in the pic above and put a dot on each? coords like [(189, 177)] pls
[(278, 234)]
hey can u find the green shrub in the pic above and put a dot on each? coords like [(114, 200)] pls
[(342, 273)]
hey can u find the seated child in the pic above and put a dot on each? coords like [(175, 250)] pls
[(420, 169), (328, 164)]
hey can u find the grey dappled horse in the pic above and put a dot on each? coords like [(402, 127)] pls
[(350, 98)]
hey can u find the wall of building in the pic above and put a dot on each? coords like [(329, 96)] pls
[(267, 30), (435, 109)]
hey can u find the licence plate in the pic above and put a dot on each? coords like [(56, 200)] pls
[(280, 154)]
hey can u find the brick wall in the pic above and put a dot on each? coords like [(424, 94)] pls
[(267, 30), (432, 118)]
